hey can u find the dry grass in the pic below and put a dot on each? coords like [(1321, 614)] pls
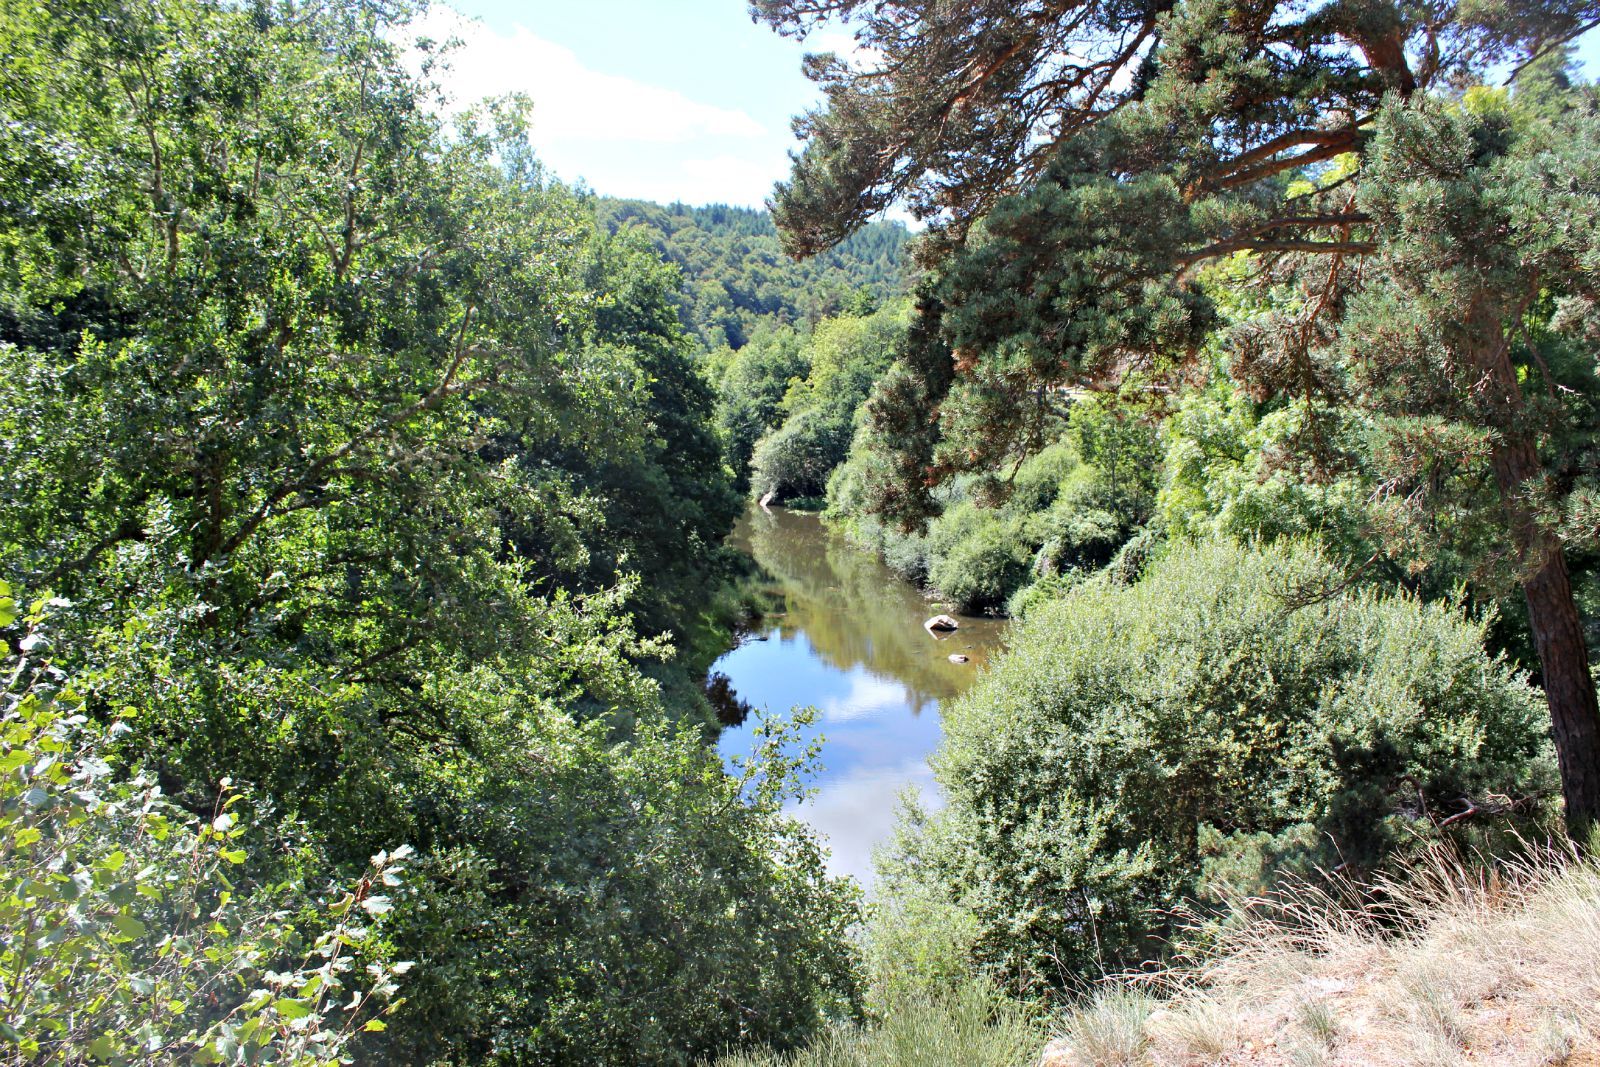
[(1454, 967)]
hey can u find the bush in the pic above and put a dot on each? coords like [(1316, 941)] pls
[(648, 908), (1041, 591), (976, 558), (129, 930), (797, 457), (917, 948), (1085, 770)]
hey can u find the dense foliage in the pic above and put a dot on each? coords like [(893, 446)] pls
[(1423, 240), (128, 938), (787, 402), (369, 472), (373, 488), (1059, 515), (1194, 734), (736, 278), (843, 357)]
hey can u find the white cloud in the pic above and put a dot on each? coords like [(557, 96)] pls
[(867, 695), (570, 101), (857, 813), (731, 179), (843, 43)]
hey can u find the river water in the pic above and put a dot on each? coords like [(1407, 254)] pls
[(848, 640)]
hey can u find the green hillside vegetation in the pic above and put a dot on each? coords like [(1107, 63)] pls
[(365, 495), (736, 278), (995, 546)]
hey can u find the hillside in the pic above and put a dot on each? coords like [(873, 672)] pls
[(735, 274)]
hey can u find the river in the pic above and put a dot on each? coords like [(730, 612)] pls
[(849, 641)]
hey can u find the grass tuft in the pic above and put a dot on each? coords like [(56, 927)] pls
[(1450, 963), (1110, 1030), (972, 1027)]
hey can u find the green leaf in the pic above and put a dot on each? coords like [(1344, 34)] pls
[(127, 925), (292, 1009)]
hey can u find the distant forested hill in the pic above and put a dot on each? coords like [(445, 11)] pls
[(735, 273)]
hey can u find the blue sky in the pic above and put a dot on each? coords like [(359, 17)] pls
[(658, 99)]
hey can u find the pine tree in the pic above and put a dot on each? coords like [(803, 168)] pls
[(1080, 161)]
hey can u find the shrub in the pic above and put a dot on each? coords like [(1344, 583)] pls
[(797, 457), (917, 947), (577, 899), (976, 559), (1041, 591), (129, 930), (1085, 769), (648, 909)]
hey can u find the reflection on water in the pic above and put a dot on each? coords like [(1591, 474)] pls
[(849, 642)]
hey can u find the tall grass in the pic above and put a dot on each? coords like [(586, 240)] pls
[(969, 1027), (1449, 963)]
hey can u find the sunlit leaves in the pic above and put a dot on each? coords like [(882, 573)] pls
[(121, 940)]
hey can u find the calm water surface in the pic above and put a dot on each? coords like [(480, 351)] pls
[(849, 641)]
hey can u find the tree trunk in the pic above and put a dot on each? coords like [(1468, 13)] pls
[(1547, 587), (1569, 687), (1557, 637)]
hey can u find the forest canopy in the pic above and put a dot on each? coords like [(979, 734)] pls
[(736, 278), (360, 496)]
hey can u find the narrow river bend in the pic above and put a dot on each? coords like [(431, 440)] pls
[(849, 641)]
